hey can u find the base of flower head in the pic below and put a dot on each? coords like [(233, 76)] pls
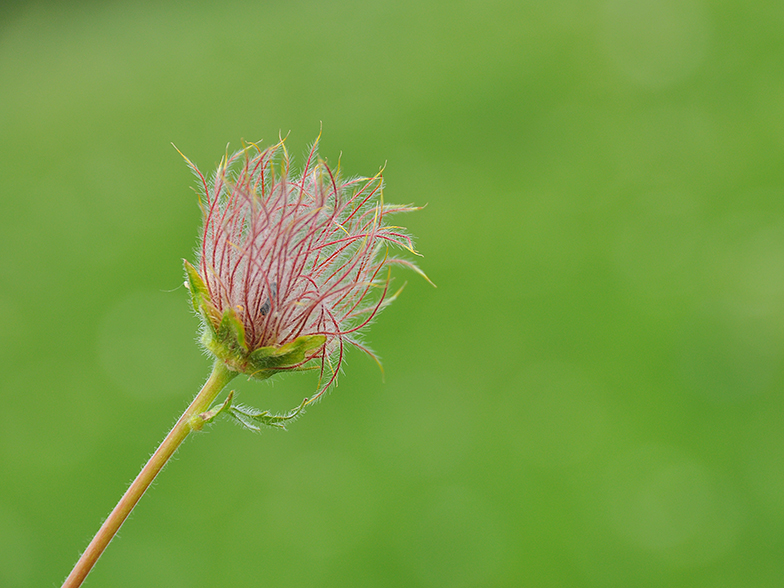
[(265, 362), (224, 337)]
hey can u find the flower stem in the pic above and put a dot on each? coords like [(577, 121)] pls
[(218, 379)]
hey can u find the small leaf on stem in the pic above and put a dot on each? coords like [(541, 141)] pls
[(253, 418)]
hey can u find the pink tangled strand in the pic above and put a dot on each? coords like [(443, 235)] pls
[(297, 256)]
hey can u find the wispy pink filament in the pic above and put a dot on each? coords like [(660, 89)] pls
[(296, 255)]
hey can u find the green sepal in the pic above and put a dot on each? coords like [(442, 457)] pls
[(198, 421), (196, 285), (231, 333), (200, 298), (266, 358), (227, 341), (253, 418)]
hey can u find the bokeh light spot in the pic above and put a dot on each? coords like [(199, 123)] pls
[(670, 506), (655, 42)]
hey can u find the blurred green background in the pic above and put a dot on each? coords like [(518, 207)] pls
[(591, 397)]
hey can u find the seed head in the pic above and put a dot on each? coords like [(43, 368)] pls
[(290, 267)]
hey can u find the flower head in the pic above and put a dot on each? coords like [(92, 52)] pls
[(290, 267)]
